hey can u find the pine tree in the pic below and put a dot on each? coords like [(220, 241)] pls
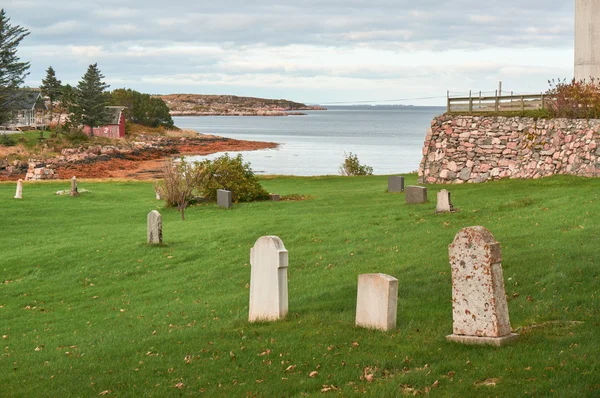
[(12, 71), (91, 99), (52, 88)]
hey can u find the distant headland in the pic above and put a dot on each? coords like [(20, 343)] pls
[(231, 105)]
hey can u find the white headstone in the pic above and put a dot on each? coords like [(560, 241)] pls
[(377, 301), (480, 310), (158, 197), (444, 203), (19, 193), (154, 227), (74, 191), (268, 280)]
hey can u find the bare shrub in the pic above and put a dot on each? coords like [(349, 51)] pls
[(352, 167), (575, 99), (177, 186)]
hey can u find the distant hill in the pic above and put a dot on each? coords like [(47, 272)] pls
[(231, 105)]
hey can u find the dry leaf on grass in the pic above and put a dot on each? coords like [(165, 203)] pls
[(313, 374), (105, 392), (487, 382), (327, 388)]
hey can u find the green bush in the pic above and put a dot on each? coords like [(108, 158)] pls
[(352, 167), (75, 136), (231, 174), (6, 140)]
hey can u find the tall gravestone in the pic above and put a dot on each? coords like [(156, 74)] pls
[(224, 198), (19, 192), (444, 203), (74, 191), (416, 194), (395, 184), (377, 301), (268, 280), (479, 307), (154, 227)]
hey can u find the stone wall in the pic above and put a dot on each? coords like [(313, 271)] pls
[(461, 149)]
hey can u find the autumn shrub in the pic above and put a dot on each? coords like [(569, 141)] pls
[(577, 99), (352, 166), (180, 179), (231, 174)]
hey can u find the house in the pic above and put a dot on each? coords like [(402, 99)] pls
[(28, 111), (115, 128)]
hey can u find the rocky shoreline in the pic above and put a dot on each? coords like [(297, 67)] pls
[(141, 158)]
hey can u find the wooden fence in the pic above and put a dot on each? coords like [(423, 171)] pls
[(497, 103)]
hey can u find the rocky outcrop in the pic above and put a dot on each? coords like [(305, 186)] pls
[(461, 149)]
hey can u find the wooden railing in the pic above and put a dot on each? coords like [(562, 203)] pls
[(497, 103)]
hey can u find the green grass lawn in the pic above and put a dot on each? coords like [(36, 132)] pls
[(87, 308)]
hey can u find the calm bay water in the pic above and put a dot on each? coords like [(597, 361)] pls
[(389, 139)]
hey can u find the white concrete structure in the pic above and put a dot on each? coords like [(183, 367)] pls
[(268, 280), (480, 310), (444, 203), (377, 301), (587, 39), (19, 193)]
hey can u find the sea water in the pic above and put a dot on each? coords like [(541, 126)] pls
[(389, 139)]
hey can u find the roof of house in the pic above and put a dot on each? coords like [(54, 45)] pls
[(114, 113), (27, 99)]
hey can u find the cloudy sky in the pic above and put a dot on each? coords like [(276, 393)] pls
[(315, 51)]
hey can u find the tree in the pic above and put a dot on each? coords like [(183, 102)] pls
[(142, 108), (12, 71), (91, 99), (52, 88), (68, 98)]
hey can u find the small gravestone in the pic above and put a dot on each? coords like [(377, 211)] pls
[(415, 194), (480, 310), (377, 301), (444, 204), (19, 193), (268, 280), (158, 197), (395, 184), (154, 227), (274, 197), (74, 191), (224, 198)]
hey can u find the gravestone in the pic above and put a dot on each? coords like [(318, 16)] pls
[(19, 193), (158, 197), (224, 198), (444, 204), (274, 197), (415, 194), (154, 227), (480, 310), (268, 280), (395, 184), (377, 301), (74, 191)]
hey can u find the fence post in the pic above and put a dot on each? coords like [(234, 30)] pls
[(522, 104), (497, 102), (470, 102), (448, 100), (543, 102)]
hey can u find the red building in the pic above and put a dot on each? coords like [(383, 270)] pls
[(116, 126)]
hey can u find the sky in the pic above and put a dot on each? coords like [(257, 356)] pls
[(312, 51)]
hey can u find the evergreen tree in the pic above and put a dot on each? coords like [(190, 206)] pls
[(12, 71), (52, 88), (68, 98), (91, 99)]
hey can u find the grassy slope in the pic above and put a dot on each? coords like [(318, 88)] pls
[(107, 312)]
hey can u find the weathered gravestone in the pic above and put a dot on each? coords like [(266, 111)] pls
[(154, 227), (444, 204), (268, 280), (480, 311), (377, 301), (74, 191), (395, 184), (19, 193), (158, 197), (415, 194), (274, 197), (224, 198)]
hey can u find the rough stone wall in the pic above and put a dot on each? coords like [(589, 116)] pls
[(461, 149)]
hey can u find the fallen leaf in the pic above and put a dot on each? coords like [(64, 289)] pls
[(355, 344), (327, 388), (262, 354), (290, 368), (179, 385), (105, 392), (313, 374), (487, 382)]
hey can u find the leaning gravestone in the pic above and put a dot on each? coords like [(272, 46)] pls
[(224, 198), (74, 191), (415, 194), (444, 204), (377, 301), (19, 193), (268, 280), (154, 227), (480, 311), (395, 184)]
